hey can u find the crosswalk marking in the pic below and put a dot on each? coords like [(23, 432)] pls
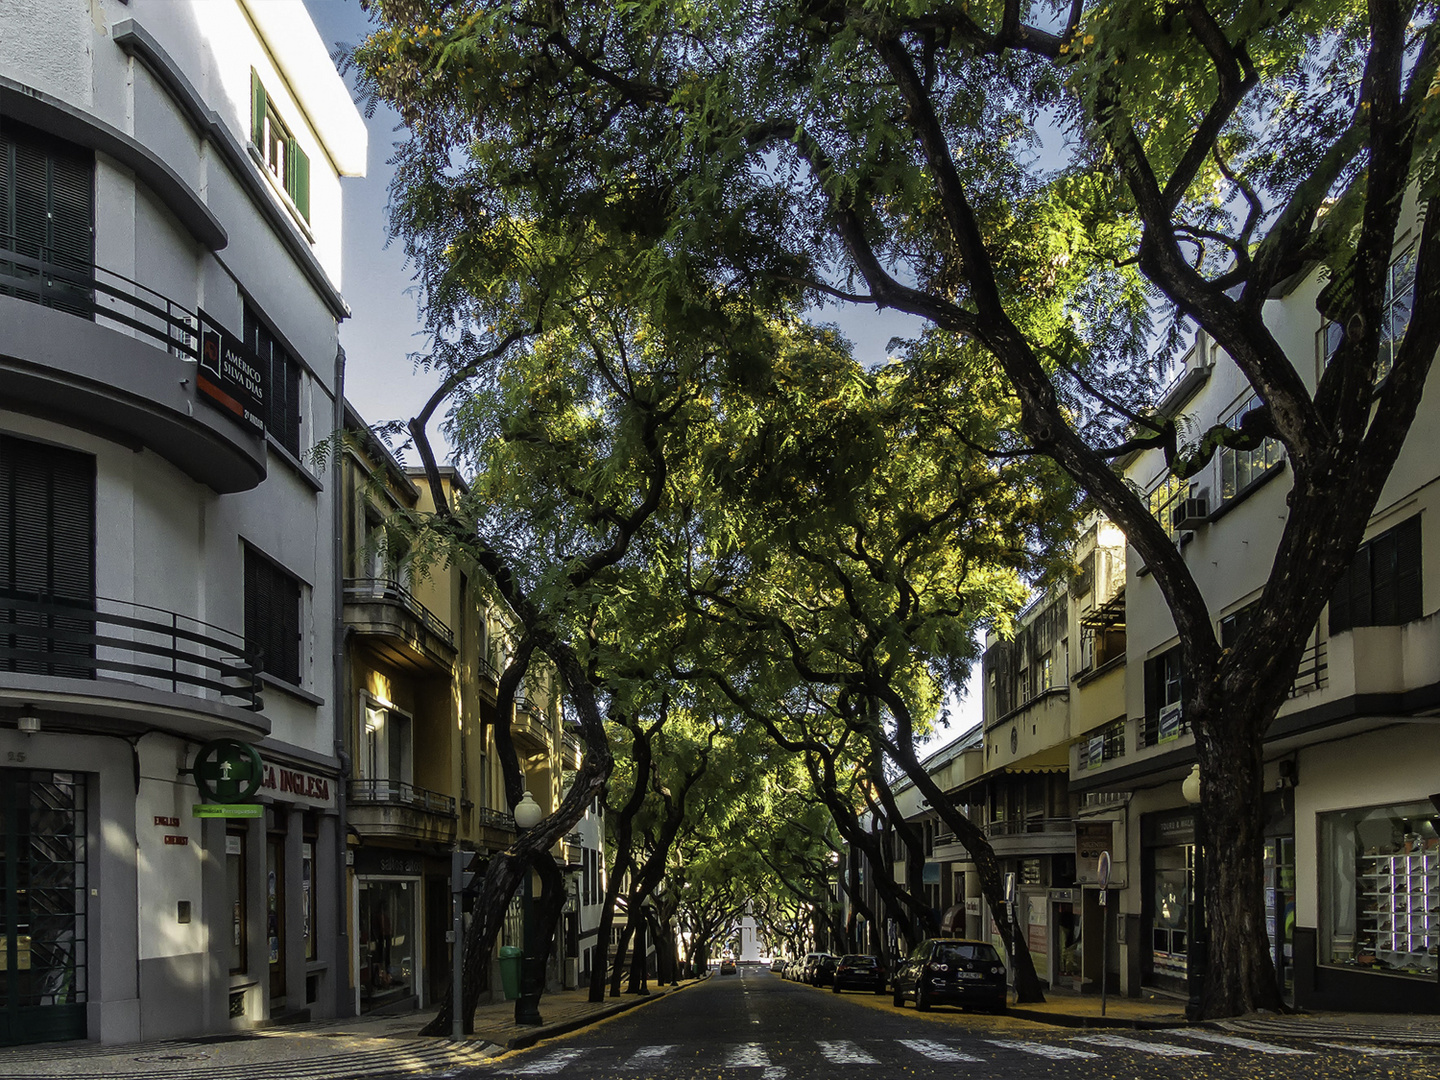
[(550, 1063), (1120, 1042), (935, 1051), (1368, 1050), (1042, 1049), (1244, 1044), (649, 1055), (748, 1056), (846, 1053)]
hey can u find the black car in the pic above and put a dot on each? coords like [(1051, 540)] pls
[(856, 972), (952, 971), (821, 970)]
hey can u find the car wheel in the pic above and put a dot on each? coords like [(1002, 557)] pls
[(922, 998), (835, 989), (899, 999), (879, 988)]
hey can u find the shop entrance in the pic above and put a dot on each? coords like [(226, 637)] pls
[(1280, 910), (389, 955), (42, 906)]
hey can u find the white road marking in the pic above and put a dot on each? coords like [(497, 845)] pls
[(1371, 1050), (935, 1051), (844, 1052), (1042, 1049), (748, 1056), (648, 1055), (1120, 1042), (1244, 1044), (550, 1063)]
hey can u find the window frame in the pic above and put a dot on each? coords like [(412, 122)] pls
[(285, 380), (1271, 454), (1401, 269), (1407, 600), (260, 632), (288, 168)]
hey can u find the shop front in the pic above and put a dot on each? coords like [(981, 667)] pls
[(1167, 872), (389, 958)]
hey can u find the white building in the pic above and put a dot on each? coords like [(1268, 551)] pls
[(170, 227)]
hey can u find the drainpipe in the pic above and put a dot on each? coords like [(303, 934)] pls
[(340, 695)]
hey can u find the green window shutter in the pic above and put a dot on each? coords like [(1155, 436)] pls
[(257, 111), (297, 177)]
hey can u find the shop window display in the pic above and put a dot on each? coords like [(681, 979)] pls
[(1381, 889)]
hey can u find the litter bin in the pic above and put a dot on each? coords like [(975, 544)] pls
[(510, 970)]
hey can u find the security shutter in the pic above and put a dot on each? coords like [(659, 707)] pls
[(297, 177), (272, 617), (257, 111), (46, 216), (1382, 585), (47, 558)]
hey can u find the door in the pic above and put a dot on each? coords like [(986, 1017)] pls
[(1280, 910), (275, 917), (42, 906)]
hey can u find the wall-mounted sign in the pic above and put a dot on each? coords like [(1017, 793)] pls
[(177, 841), (228, 810), (166, 822), (227, 771), (289, 784), (230, 376)]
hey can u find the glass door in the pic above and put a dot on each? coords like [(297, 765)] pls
[(42, 906), (1280, 910)]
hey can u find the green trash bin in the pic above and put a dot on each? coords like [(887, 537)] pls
[(510, 970)]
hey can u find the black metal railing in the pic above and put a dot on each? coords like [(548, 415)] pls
[(399, 793), (46, 635), (1313, 672), (1150, 730), (497, 819), (389, 591), (32, 272)]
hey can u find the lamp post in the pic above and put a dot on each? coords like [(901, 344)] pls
[(527, 1005), (1197, 949)]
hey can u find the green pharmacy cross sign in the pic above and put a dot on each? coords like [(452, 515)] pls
[(227, 771)]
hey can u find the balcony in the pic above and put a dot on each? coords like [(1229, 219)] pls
[(397, 810), (134, 665), (1016, 837), (530, 728), (93, 347), (403, 629)]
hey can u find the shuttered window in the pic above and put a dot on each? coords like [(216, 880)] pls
[(278, 149), (47, 558), (46, 219), (1382, 586), (282, 395), (272, 616)]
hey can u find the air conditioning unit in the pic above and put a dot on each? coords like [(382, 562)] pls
[(1189, 514)]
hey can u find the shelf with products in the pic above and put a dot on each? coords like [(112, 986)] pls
[(1399, 908)]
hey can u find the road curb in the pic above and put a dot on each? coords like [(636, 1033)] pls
[(575, 1023), (1076, 1020)]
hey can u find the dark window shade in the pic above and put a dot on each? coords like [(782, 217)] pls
[(272, 617), (47, 213), (1382, 585), (282, 401), (47, 555)]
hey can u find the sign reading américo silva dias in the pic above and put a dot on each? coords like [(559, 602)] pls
[(231, 377)]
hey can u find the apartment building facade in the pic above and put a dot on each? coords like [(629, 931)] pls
[(425, 645), (169, 271)]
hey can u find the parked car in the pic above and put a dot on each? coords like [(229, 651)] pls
[(857, 972), (795, 969), (823, 971), (807, 966), (727, 966), (952, 970), (778, 964)]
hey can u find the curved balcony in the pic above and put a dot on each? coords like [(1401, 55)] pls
[(86, 345), (402, 629), (135, 666)]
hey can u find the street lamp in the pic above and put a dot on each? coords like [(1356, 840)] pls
[(527, 1005), (1198, 947)]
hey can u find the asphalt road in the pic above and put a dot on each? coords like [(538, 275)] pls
[(756, 1026)]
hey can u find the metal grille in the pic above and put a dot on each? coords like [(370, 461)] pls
[(42, 906)]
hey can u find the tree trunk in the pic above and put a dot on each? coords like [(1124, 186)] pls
[(1238, 974)]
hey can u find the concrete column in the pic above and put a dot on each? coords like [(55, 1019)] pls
[(214, 914), (329, 918), (293, 923), (257, 947)]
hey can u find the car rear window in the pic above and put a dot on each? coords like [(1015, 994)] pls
[(858, 961), (953, 954)]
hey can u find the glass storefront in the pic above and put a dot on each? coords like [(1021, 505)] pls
[(1380, 889), (1170, 923), (388, 940)]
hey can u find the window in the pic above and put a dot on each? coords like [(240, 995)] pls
[(1382, 585), (46, 220), (278, 150), (282, 375), (1164, 687), (1239, 469), (387, 752), (47, 558), (272, 616), (1164, 497), (1395, 316), (235, 895), (1103, 744)]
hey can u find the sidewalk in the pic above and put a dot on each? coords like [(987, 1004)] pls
[(323, 1050)]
